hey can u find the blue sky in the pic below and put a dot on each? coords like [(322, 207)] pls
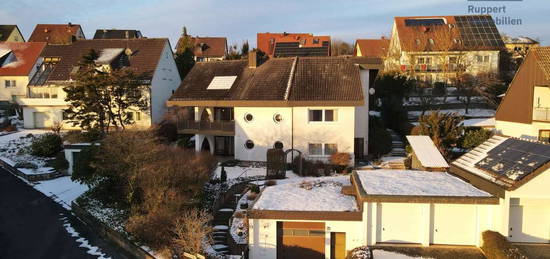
[(240, 20)]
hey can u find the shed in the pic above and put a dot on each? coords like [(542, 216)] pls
[(425, 155)]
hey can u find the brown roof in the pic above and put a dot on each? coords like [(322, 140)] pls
[(26, 54), (117, 34), (144, 58), (372, 47), (542, 55), (207, 46), (6, 30), (55, 33), (267, 42), (313, 79), (416, 33)]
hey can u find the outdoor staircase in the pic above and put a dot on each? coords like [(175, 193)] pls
[(222, 227), (398, 147), (396, 158)]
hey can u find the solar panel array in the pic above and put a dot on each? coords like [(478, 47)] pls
[(515, 158), (424, 22), (293, 49), (479, 31)]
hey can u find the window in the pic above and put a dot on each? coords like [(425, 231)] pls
[(323, 115), (479, 58), (278, 145), (544, 136), (9, 83), (249, 144), (248, 117), (486, 59), (330, 149), (136, 116), (421, 61), (453, 60), (431, 41), (315, 149), (277, 117)]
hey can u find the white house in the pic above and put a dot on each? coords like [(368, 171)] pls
[(19, 61), (317, 105), (44, 103)]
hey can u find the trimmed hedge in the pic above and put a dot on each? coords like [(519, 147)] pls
[(496, 246)]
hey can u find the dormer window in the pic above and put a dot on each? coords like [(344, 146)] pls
[(6, 57), (111, 58)]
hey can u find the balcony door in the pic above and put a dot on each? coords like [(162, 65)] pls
[(223, 114), (224, 146)]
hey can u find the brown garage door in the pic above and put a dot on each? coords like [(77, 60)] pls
[(300, 240)]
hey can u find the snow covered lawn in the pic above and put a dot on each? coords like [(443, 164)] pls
[(461, 112), (381, 254), (416, 183), (246, 172), (14, 149), (62, 190), (309, 194)]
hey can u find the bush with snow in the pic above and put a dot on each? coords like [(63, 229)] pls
[(362, 252)]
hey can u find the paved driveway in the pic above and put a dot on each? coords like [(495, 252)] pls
[(32, 226)]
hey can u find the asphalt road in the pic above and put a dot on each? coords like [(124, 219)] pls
[(31, 225)]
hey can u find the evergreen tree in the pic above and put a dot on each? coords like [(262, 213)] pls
[(245, 49), (185, 56)]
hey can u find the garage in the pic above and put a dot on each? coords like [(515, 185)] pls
[(40, 119), (529, 220), (300, 240), (400, 223), (454, 224)]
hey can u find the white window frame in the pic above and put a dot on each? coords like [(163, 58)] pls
[(323, 115), (323, 149), (10, 83)]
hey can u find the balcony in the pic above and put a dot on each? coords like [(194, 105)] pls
[(219, 128), (42, 102), (541, 114)]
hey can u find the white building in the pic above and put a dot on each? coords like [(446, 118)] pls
[(45, 99), (318, 106), (19, 61)]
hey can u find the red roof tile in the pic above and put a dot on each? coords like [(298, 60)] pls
[(266, 41), (372, 47), (55, 33), (26, 54), (207, 46)]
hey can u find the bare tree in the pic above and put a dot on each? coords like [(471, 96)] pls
[(190, 230), (339, 48)]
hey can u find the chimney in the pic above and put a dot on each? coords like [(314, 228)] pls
[(252, 59)]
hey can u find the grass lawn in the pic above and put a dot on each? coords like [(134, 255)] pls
[(436, 252), (535, 251)]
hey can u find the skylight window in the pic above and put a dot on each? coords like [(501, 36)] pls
[(221, 83)]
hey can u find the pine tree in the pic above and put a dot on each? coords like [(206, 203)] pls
[(185, 56)]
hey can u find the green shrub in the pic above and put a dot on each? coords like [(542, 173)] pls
[(474, 138), (495, 246), (47, 145), (59, 163), (83, 172), (380, 141), (77, 136)]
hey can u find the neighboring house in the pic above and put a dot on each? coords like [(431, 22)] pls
[(377, 48), (207, 48), (525, 109), (45, 102), (10, 33), (439, 48), (519, 46), (293, 44), (57, 34), (318, 106), (517, 171), (19, 61), (116, 34)]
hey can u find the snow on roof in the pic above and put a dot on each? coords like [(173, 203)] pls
[(480, 122), (426, 152), (310, 194), (107, 55), (221, 83), (416, 183), (4, 52)]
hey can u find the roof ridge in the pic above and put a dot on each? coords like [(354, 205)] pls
[(290, 77)]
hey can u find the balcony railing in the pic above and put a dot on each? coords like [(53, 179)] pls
[(207, 127), (541, 114)]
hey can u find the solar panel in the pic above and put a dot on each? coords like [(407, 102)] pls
[(515, 158), (424, 22), (479, 31), (293, 49), (221, 83)]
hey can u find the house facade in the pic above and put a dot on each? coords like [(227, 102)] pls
[(525, 109), (19, 61), (243, 108), (11, 33), (519, 46), (45, 99), (440, 48)]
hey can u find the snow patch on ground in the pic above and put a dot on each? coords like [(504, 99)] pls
[(461, 112), (381, 254), (93, 250), (14, 148), (416, 183), (62, 190), (310, 194), (246, 172)]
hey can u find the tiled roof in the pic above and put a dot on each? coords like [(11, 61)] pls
[(310, 78), (6, 30), (26, 54), (453, 33), (372, 47), (207, 46), (542, 55), (297, 43), (144, 58), (117, 34), (55, 33)]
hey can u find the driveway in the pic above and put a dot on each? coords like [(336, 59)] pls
[(32, 226)]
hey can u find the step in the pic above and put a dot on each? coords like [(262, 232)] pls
[(226, 210), (221, 227)]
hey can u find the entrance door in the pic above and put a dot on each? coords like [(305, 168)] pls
[(40, 119), (300, 240), (224, 146), (337, 245), (359, 148)]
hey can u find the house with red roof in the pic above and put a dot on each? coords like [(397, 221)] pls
[(206, 48), (57, 34), (19, 61), (293, 44), (375, 48)]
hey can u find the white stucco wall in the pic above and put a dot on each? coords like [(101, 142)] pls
[(165, 81), (362, 113), (262, 237), (521, 130), (21, 82)]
